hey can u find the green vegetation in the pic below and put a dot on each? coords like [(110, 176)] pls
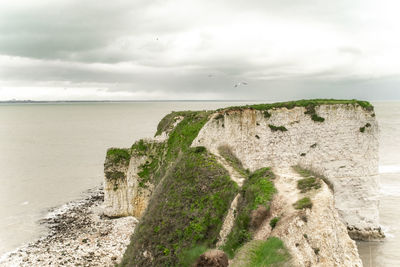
[(186, 212), (269, 253), (166, 123), (309, 183), (277, 128), (149, 171), (118, 156), (219, 116), (317, 118), (140, 147), (226, 152), (267, 115), (274, 221), (257, 190), (304, 203), (116, 175), (310, 110), (307, 103), (162, 155), (188, 257), (362, 129)]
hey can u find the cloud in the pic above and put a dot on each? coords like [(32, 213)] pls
[(168, 48)]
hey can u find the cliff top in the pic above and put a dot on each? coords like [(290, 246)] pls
[(307, 103)]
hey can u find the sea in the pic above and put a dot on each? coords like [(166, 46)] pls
[(51, 153)]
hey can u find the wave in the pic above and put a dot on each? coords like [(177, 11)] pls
[(389, 169)]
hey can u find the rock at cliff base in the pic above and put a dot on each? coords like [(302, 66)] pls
[(212, 258)]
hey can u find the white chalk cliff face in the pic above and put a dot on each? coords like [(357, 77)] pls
[(124, 196), (343, 148)]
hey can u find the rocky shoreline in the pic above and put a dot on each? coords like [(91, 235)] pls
[(79, 235)]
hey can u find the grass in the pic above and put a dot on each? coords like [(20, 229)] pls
[(226, 152), (271, 252), (304, 103), (277, 128), (188, 257), (257, 190), (308, 104), (274, 221), (311, 174), (118, 156), (166, 123), (304, 203), (307, 184)]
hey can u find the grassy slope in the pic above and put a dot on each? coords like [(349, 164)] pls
[(257, 190), (187, 209)]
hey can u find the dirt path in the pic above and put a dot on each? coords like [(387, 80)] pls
[(282, 204), (230, 217), (235, 175)]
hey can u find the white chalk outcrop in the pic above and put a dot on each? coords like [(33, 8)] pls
[(343, 148), (314, 237), (124, 193), (123, 196)]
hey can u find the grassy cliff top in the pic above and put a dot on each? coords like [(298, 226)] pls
[(307, 103)]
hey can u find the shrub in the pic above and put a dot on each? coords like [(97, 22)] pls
[(308, 184), (304, 203), (277, 128), (317, 118), (274, 221), (267, 115), (118, 156), (219, 116), (314, 145), (308, 173), (362, 129)]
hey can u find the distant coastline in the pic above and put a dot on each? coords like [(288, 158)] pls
[(117, 101)]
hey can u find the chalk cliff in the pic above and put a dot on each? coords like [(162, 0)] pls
[(336, 140), (343, 147)]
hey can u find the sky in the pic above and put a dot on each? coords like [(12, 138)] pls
[(199, 49)]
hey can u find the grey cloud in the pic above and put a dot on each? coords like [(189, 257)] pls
[(60, 42)]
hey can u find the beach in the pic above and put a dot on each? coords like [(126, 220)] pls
[(78, 235)]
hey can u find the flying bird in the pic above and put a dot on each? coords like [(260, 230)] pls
[(240, 83)]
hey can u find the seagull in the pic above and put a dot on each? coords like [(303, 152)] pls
[(240, 83)]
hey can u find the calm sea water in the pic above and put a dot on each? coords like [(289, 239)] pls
[(51, 153)]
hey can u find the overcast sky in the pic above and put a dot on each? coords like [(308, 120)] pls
[(141, 49)]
